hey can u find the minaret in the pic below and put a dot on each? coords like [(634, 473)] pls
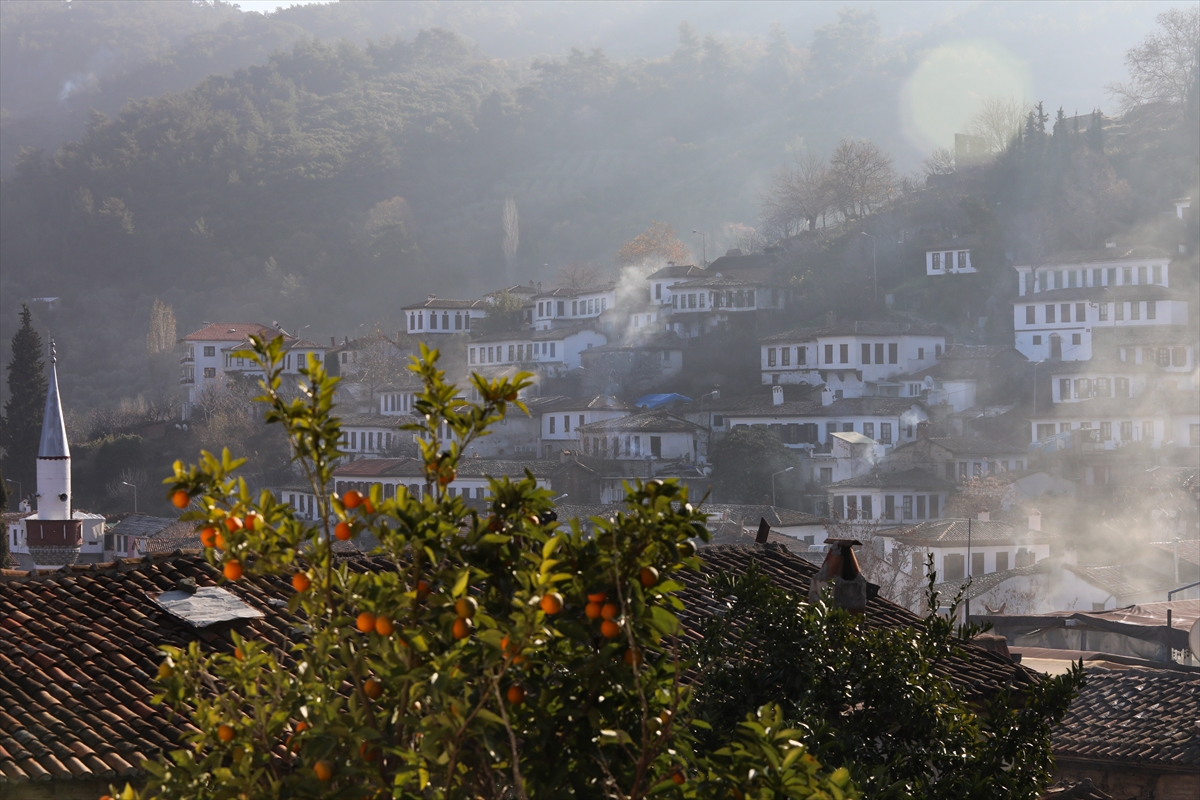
[(54, 455)]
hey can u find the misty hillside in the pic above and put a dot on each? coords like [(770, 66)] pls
[(332, 183)]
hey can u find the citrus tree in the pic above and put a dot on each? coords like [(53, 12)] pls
[(479, 653)]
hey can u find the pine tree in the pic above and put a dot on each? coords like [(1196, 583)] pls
[(26, 402)]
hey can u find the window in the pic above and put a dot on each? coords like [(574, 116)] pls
[(952, 566), (1045, 430), (562, 308), (802, 355), (844, 353), (826, 474), (656, 446), (1083, 388), (1127, 275), (1076, 338), (1148, 431), (210, 372), (830, 429), (920, 506), (551, 424), (770, 356), (1103, 312), (937, 351), (1103, 387), (1135, 310), (785, 356), (933, 506), (1081, 312), (1064, 388), (1050, 312), (1179, 356), (885, 432), (1142, 275), (851, 506), (962, 259), (866, 503), (879, 353), (1071, 279), (889, 506), (1121, 385), (920, 354), (977, 564), (1111, 279), (1037, 339), (574, 308), (210, 350), (1126, 431), (869, 430), (937, 260), (1105, 431), (1158, 274), (1163, 357), (1064, 427), (828, 354), (551, 349), (839, 506), (1120, 311), (866, 354), (658, 291), (512, 352), (566, 423), (1066, 312), (893, 353), (1151, 309), (907, 506), (433, 320), (1030, 315), (718, 421)]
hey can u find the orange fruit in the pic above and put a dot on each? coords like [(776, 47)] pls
[(234, 524), (252, 520), (221, 541), (343, 531), (225, 732), (597, 597), (365, 622), (552, 603), (515, 694), (592, 610), (208, 537), (300, 582), (610, 611), (677, 776), (180, 499), (462, 628), (633, 657), (232, 570), (504, 646), (384, 626), (238, 654), (372, 688), (610, 629), (165, 671), (423, 588), (465, 607), (368, 506), (368, 752), (301, 726), (447, 476), (323, 770), (352, 499), (648, 576)]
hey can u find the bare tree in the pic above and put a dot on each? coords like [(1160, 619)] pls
[(799, 194), (160, 353), (577, 275), (656, 243), (999, 120), (512, 233), (941, 162), (378, 364), (1162, 69), (861, 177), (161, 336)]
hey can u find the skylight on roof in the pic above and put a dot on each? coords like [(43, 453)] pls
[(209, 605)]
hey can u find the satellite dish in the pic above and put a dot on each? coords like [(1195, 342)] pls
[(1194, 639), (929, 382)]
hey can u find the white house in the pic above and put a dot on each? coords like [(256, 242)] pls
[(566, 306), (1065, 302), (711, 302), (552, 351), (203, 360), (855, 358), (1156, 419), (560, 421), (805, 528), (471, 482), (650, 434), (439, 315), (994, 546), (951, 257), (888, 498), (659, 282), (850, 455), (960, 458), (296, 354), (373, 435)]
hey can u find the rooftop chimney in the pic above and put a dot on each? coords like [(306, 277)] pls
[(1035, 520), (923, 429), (841, 571), (764, 530), (986, 516), (1110, 244), (333, 341), (827, 396), (777, 395), (830, 318)]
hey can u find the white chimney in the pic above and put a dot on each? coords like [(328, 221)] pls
[(827, 397), (777, 395), (1035, 520), (985, 515), (1110, 244)]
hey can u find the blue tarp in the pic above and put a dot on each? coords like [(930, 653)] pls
[(656, 400)]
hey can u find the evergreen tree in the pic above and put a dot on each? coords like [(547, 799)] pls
[(1095, 132), (26, 402), (4, 532)]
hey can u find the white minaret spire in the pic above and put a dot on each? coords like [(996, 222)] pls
[(54, 455)]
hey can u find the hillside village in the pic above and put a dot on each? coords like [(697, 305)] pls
[(1072, 449)]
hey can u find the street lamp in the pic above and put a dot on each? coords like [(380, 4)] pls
[(716, 395), (134, 486), (703, 247), (789, 469), (874, 266)]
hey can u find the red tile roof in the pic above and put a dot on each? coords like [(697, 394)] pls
[(227, 332)]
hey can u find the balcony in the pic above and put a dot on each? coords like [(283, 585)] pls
[(187, 380), (187, 359)]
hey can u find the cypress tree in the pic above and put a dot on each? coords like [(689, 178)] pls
[(26, 404)]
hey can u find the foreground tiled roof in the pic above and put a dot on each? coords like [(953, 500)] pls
[(78, 650), (1134, 717)]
